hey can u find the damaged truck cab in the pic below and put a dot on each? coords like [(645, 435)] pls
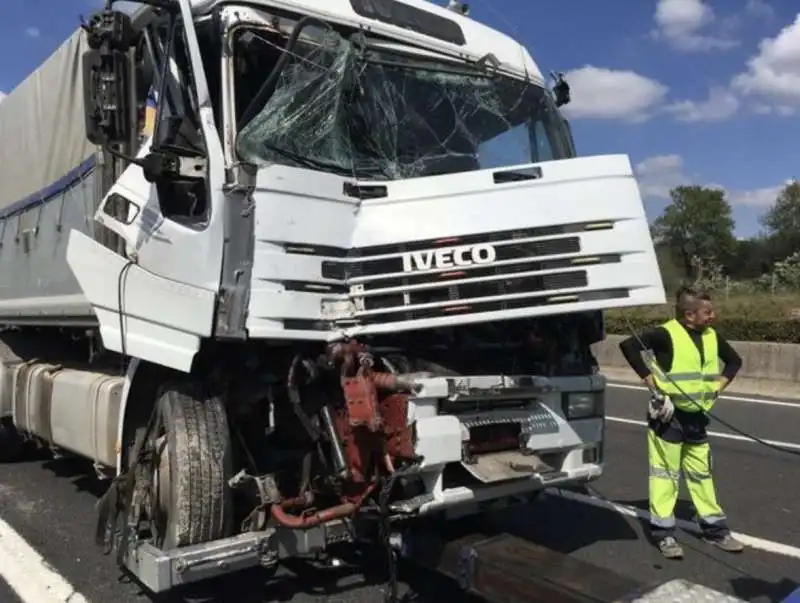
[(340, 267)]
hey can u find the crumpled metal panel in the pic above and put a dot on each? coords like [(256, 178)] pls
[(681, 591)]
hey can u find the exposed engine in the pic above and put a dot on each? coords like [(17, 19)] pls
[(342, 419), (341, 416)]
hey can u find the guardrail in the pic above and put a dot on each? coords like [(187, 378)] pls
[(768, 369)]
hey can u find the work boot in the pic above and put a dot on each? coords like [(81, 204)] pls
[(670, 548), (727, 543)]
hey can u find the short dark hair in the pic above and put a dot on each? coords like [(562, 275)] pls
[(686, 300)]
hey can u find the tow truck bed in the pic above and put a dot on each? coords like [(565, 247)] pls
[(502, 568)]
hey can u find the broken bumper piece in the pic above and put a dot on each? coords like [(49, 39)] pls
[(453, 498), (160, 571)]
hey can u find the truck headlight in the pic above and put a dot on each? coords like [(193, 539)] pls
[(581, 405)]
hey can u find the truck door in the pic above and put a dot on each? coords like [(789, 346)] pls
[(175, 228), (159, 301)]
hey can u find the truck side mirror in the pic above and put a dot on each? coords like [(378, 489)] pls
[(107, 78), (106, 94)]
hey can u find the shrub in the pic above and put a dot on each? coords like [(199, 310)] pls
[(732, 328), (755, 317)]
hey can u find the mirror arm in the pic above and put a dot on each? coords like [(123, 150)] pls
[(561, 89)]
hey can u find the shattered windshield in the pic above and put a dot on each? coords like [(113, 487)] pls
[(381, 115)]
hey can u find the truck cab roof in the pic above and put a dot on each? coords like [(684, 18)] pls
[(479, 40)]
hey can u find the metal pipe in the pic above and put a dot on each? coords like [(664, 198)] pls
[(313, 519), (337, 451), (387, 461), (316, 518)]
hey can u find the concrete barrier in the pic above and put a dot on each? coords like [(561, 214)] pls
[(768, 369)]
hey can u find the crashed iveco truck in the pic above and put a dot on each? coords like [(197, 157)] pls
[(285, 269)]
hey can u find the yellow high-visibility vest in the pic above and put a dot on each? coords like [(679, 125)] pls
[(698, 379)]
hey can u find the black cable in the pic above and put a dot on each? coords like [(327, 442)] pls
[(709, 413), (385, 520), (391, 595), (123, 273)]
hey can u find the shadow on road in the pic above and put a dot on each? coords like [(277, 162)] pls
[(743, 584), (359, 578), (80, 472), (545, 523), (563, 525)]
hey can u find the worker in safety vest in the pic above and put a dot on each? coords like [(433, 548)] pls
[(681, 367)]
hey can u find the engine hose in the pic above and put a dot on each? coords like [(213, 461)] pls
[(307, 520), (303, 522), (709, 414)]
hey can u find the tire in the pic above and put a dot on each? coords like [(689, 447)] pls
[(197, 501)]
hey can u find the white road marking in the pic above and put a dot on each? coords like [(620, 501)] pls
[(716, 434), (29, 575), (777, 548), (795, 405)]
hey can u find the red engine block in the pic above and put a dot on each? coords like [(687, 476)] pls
[(373, 424)]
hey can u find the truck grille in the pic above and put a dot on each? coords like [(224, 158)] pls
[(444, 292), (526, 265)]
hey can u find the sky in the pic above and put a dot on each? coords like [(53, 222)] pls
[(694, 91)]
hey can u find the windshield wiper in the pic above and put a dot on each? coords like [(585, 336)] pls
[(316, 164)]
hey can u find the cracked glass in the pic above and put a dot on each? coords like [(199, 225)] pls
[(382, 114)]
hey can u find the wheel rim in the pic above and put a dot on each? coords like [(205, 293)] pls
[(154, 507)]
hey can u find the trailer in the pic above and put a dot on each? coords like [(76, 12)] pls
[(294, 273)]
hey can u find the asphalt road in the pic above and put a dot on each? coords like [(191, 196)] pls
[(51, 505), (7, 594)]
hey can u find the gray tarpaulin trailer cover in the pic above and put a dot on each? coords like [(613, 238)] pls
[(48, 186)]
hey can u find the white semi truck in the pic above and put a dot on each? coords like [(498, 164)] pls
[(285, 268)]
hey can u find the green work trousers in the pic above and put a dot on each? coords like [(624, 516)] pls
[(668, 460)]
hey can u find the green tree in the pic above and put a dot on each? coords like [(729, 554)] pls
[(751, 258), (698, 222), (671, 273), (782, 221)]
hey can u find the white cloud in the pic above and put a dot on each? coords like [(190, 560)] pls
[(658, 174), (684, 25), (773, 75), (600, 93), (757, 197), (759, 8), (720, 105), (33, 32)]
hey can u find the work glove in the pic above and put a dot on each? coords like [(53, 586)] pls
[(661, 408)]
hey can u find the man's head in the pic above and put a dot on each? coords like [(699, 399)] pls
[(693, 308)]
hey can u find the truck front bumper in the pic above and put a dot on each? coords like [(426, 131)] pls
[(161, 571), (466, 500)]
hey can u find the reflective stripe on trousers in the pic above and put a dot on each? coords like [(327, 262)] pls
[(667, 461)]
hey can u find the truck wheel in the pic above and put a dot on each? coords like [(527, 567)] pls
[(191, 479)]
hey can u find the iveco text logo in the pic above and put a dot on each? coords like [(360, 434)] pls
[(449, 257)]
